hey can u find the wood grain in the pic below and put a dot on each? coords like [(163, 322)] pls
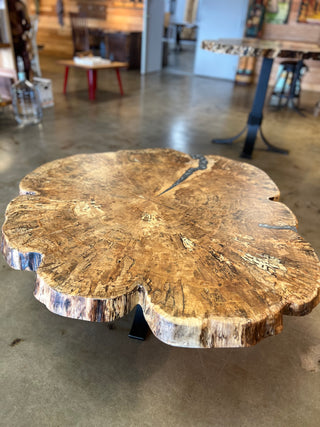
[(120, 15), (201, 243)]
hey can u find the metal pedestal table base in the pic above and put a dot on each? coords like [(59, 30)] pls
[(139, 329), (255, 117)]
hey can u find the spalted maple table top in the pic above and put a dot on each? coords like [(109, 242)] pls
[(201, 243)]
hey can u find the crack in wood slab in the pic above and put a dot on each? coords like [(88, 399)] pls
[(202, 166)]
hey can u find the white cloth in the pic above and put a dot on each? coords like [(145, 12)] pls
[(90, 60)]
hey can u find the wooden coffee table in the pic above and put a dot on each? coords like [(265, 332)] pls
[(92, 74), (200, 243)]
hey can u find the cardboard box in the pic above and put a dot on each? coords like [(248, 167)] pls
[(45, 90)]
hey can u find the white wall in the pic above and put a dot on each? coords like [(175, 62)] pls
[(219, 19), (151, 45), (166, 5), (179, 12)]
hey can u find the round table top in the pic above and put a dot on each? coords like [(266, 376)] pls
[(200, 242)]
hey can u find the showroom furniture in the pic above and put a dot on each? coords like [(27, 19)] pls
[(92, 74), (200, 243), (268, 50)]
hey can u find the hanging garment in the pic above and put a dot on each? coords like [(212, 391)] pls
[(60, 12)]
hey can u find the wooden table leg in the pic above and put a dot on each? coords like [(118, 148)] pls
[(91, 88), (66, 73), (119, 81)]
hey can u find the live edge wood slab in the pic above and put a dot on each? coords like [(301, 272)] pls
[(266, 48), (201, 243)]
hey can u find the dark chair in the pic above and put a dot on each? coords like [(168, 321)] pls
[(125, 47), (80, 33), (118, 46), (286, 92)]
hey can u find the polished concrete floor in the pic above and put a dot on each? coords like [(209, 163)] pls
[(71, 373)]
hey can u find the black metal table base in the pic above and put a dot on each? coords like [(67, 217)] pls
[(140, 328), (272, 147), (293, 107), (244, 154), (255, 117)]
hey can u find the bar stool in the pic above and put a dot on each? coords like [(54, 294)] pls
[(286, 92)]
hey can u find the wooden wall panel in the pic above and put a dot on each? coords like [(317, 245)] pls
[(119, 16), (297, 32)]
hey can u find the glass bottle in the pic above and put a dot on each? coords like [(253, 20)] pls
[(25, 99)]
